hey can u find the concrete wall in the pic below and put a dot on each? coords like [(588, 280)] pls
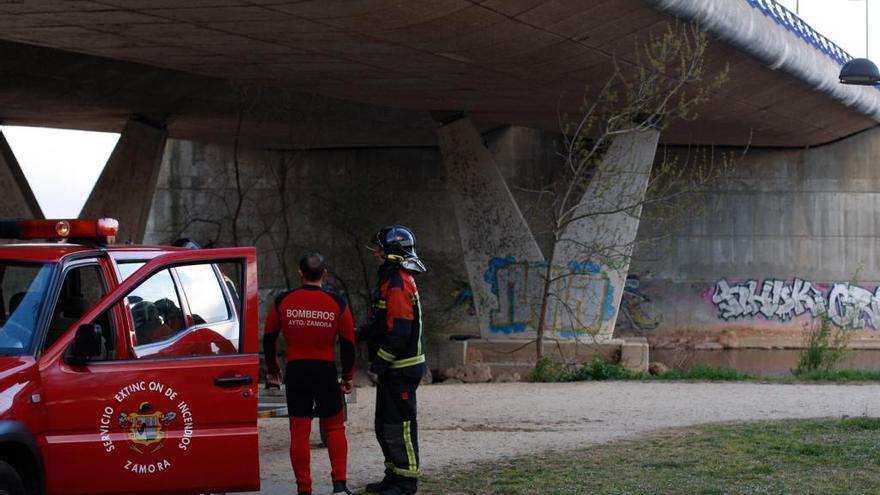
[(792, 234), (18, 199), (491, 227), (332, 201), (126, 186)]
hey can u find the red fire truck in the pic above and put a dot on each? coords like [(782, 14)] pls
[(125, 369)]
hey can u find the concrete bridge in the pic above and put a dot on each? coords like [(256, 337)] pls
[(317, 121)]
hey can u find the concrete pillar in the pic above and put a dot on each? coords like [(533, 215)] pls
[(18, 199), (595, 250), (126, 186), (497, 244)]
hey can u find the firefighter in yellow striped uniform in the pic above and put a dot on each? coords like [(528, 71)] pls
[(396, 342)]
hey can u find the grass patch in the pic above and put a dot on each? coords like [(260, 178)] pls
[(709, 373), (836, 376), (550, 371), (828, 456)]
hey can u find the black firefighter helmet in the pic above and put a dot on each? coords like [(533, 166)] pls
[(399, 245)]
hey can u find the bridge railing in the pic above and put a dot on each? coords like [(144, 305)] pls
[(789, 20)]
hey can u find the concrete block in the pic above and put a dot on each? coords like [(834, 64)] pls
[(634, 356), (449, 354), (519, 356)]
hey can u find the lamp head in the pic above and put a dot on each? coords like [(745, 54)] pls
[(860, 71)]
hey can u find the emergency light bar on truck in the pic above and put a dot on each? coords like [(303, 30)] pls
[(104, 229)]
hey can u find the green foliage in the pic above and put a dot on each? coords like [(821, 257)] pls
[(549, 371), (599, 370), (861, 423), (838, 376), (665, 80), (709, 373), (824, 347)]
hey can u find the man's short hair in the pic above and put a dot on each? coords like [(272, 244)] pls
[(312, 266)]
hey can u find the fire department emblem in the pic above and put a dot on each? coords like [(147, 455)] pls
[(145, 428)]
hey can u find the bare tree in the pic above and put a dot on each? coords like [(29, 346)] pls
[(667, 82)]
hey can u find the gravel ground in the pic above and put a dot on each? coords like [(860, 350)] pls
[(459, 424)]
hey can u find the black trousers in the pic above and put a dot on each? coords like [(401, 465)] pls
[(397, 427), (312, 389)]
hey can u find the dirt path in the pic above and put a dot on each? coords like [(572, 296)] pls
[(463, 423)]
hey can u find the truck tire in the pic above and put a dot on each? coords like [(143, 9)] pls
[(10, 481)]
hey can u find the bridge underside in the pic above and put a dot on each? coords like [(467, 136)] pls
[(338, 74)]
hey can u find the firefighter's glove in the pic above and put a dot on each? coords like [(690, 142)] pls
[(273, 380), (374, 378)]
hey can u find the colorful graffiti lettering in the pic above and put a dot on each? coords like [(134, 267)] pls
[(637, 311), (514, 284), (846, 304), (580, 299)]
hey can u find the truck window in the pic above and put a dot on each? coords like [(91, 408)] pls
[(204, 294), (82, 288), (156, 309), (126, 268), (23, 288), (183, 311)]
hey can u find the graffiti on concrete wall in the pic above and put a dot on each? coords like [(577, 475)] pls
[(637, 310), (582, 297), (847, 305)]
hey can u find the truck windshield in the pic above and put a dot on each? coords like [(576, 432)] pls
[(23, 288)]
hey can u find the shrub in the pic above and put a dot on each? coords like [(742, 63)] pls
[(547, 370), (824, 347), (603, 370)]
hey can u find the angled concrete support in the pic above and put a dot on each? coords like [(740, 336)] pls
[(596, 249), (497, 243), (126, 186), (18, 199)]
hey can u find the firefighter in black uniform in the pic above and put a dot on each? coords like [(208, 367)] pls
[(396, 343)]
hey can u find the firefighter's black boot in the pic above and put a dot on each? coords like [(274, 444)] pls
[(387, 480), (340, 487), (379, 486), (401, 486)]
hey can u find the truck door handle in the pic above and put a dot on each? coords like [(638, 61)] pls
[(233, 381)]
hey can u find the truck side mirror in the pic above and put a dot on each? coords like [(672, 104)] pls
[(86, 344)]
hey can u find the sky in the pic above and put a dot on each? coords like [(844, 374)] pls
[(63, 165)]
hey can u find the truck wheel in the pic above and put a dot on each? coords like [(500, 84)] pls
[(10, 481)]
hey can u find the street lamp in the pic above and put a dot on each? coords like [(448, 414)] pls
[(861, 71)]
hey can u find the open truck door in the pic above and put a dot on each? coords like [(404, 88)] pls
[(164, 400)]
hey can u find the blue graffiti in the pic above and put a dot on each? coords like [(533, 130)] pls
[(584, 267), (610, 310), (514, 313), (495, 264), (510, 317), (507, 311)]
